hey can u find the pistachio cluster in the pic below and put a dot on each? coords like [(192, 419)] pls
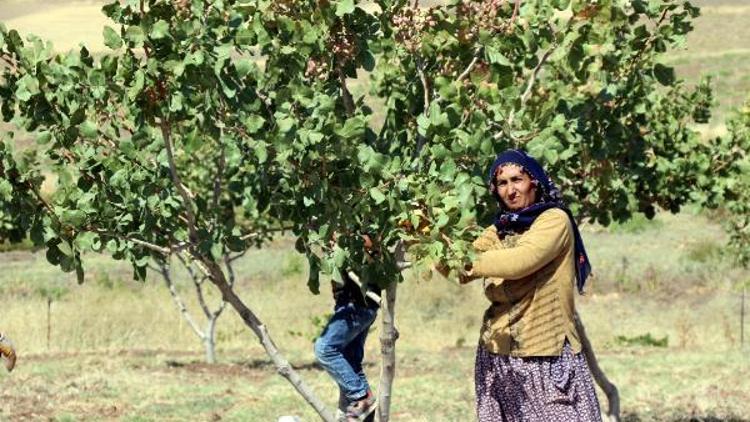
[(317, 68), (343, 44), (410, 23), (182, 7), (482, 16)]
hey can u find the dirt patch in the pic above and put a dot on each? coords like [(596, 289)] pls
[(219, 370), (255, 368)]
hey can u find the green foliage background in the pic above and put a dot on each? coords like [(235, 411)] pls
[(246, 106)]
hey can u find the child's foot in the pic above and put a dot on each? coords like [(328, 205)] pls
[(359, 410)]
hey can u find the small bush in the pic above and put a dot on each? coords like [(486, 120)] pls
[(638, 223), (26, 245), (704, 252), (293, 265), (642, 340), (318, 323)]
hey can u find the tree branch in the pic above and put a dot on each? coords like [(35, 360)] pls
[(425, 105), (197, 281), (164, 270), (515, 13), (216, 275), (472, 64), (355, 278), (425, 87), (634, 61), (11, 63), (345, 94), (164, 250), (530, 85), (236, 257), (217, 181), (610, 390), (181, 189)]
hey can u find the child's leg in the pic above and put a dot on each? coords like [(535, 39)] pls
[(354, 353), (346, 324)]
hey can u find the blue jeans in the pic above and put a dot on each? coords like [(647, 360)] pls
[(340, 349)]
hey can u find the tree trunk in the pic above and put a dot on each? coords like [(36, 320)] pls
[(251, 320), (613, 396), (209, 341), (388, 337), (49, 321), (207, 338), (742, 319)]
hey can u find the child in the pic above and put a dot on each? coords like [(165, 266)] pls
[(340, 348)]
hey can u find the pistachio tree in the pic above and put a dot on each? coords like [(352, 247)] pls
[(730, 180), (156, 148), (212, 124)]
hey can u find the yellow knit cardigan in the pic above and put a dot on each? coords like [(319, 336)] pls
[(530, 279)]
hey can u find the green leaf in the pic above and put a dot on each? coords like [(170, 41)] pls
[(344, 7), (86, 240), (43, 137), (313, 280), (159, 30), (88, 129), (253, 123), (550, 156), (244, 37), (6, 190), (423, 124), (28, 86), (496, 57), (377, 195), (79, 270), (664, 74), (175, 103), (112, 38), (135, 35), (261, 152), (368, 61), (243, 66)]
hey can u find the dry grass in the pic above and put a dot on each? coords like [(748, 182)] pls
[(66, 23), (120, 351)]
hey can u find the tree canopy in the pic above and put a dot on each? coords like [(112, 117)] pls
[(209, 126), (250, 102)]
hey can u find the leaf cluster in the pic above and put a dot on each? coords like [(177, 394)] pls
[(211, 125)]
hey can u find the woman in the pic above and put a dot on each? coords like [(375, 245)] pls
[(529, 365)]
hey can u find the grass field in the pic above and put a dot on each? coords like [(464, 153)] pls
[(118, 349)]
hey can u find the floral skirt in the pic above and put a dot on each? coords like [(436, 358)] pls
[(513, 389)]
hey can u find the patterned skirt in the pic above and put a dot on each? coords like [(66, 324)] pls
[(513, 389)]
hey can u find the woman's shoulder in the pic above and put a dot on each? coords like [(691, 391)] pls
[(553, 218), (553, 215)]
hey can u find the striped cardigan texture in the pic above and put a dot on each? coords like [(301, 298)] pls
[(530, 280)]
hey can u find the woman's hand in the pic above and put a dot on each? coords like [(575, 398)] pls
[(467, 275), (442, 269)]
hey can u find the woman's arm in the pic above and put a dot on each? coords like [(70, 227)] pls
[(543, 242), (487, 240)]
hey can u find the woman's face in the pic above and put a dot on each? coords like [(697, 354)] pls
[(515, 187)]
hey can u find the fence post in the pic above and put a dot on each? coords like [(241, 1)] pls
[(742, 318)]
